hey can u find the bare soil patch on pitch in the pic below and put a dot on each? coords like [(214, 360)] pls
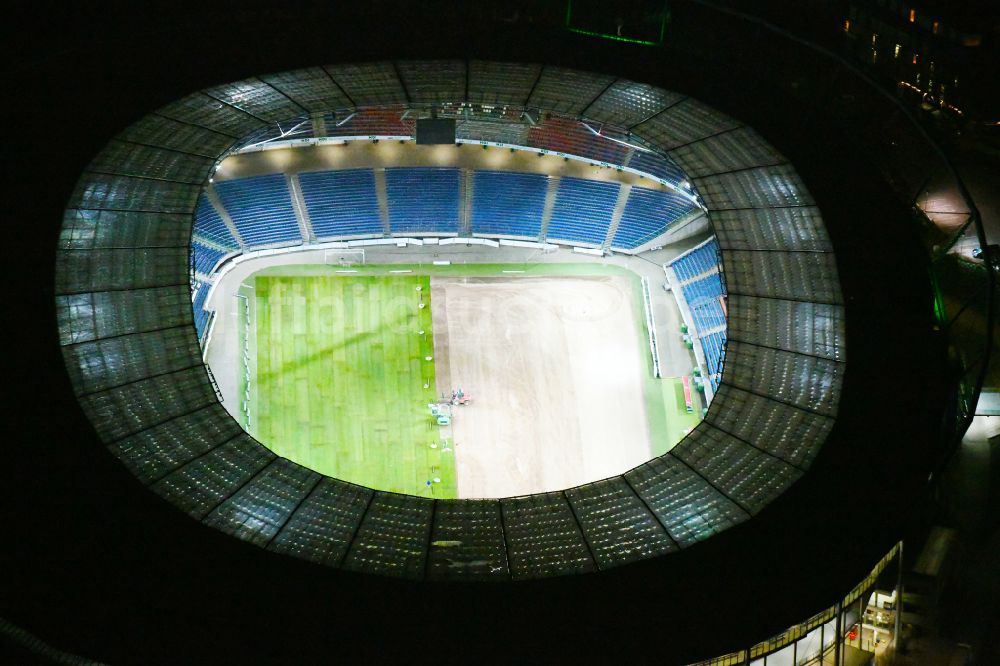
[(555, 369)]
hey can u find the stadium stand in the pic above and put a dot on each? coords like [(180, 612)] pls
[(342, 203), (566, 135), (513, 133), (703, 289), (582, 211), (208, 224), (201, 316), (649, 213), (698, 262), (714, 345), (708, 314), (422, 199), (159, 413), (204, 257), (655, 165), (261, 208), (698, 272), (507, 203), (369, 122)]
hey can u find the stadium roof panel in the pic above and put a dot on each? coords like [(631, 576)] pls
[(501, 82), (369, 84), (627, 103), (567, 91), (311, 88), (258, 99), (429, 81)]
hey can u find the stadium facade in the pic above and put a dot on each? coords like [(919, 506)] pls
[(129, 341)]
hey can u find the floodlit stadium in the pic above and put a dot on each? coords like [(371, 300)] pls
[(485, 334), (333, 365)]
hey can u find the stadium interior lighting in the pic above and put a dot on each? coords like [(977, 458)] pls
[(599, 244)]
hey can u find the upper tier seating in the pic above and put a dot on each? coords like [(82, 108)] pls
[(369, 121), (509, 204), (566, 135), (261, 208), (583, 210), (208, 224), (342, 203), (422, 199), (648, 213)]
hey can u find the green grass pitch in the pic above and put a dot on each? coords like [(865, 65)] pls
[(340, 374)]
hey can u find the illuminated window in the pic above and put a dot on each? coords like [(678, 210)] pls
[(913, 16), (847, 25), (895, 51), (934, 27)]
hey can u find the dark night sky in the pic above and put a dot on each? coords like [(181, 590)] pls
[(96, 565)]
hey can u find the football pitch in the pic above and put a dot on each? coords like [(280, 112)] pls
[(342, 367), (343, 381)]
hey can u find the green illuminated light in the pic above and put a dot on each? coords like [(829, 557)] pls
[(614, 37), (940, 314), (617, 38)]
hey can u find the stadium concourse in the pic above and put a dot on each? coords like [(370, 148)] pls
[(743, 529)]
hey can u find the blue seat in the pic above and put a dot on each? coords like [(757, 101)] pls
[(261, 209), (697, 262), (201, 316), (582, 210), (204, 257), (422, 199), (208, 224), (656, 165), (342, 203), (714, 346), (508, 204), (649, 213)]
